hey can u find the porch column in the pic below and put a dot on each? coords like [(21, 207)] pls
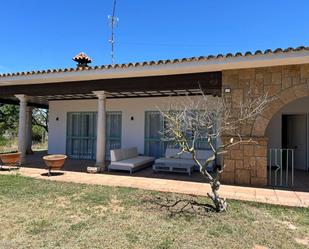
[(29, 130), (22, 142), (100, 156)]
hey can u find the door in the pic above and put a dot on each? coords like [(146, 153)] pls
[(294, 136), (154, 146), (81, 135)]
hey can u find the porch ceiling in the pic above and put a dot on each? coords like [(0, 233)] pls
[(153, 86)]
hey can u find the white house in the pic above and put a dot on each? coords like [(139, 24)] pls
[(95, 109)]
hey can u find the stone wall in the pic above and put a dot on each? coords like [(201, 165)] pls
[(247, 164)]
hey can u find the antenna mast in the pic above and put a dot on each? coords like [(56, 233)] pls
[(112, 22)]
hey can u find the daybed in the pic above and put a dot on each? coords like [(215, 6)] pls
[(128, 160), (173, 157)]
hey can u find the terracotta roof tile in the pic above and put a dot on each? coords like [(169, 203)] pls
[(159, 62)]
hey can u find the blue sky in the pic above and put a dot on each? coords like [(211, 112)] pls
[(47, 34)]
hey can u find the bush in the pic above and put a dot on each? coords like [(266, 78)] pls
[(3, 141), (38, 133)]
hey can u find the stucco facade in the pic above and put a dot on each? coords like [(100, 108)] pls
[(132, 133)]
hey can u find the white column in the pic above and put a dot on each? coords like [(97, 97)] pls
[(29, 130), (100, 156), (22, 126)]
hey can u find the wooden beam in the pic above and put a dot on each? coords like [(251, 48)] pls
[(16, 102), (210, 82)]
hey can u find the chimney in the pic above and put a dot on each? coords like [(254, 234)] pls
[(82, 60)]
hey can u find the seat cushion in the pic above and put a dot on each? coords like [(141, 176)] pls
[(186, 155), (174, 160), (122, 154), (129, 153), (134, 162), (200, 154), (179, 161), (116, 155), (172, 153), (203, 154)]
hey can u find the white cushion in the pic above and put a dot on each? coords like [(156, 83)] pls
[(134, 162), (121, 154), (180, 161), (200, 154), (174, 160), (129, 153), (172, 153), (203, 154), (186, 155), (116, 155)]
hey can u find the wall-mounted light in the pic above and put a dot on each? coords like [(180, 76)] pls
[(227, 90)]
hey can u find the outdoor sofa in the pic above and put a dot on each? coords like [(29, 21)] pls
[(173, 157), (128, 159)]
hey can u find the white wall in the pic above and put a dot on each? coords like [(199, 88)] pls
[(132, 131), (274, 129)]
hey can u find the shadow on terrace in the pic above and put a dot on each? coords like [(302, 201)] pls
[(35, 161)]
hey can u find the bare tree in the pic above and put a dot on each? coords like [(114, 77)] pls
[(208, 118)]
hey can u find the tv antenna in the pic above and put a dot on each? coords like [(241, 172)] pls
[(112, 22)]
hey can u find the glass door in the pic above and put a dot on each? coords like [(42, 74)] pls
[(154, 127), (154, 146), (113, 132), (81, 135)]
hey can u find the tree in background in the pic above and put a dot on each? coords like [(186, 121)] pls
[(39, 124), (40, 118), (9, 116), (8, 121)]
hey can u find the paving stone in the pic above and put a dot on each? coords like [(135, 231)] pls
[(265, 195)]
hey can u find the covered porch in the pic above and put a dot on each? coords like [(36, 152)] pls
[(88, 118)]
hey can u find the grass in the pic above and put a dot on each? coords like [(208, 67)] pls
[(46, 214), (12, 146), (7, 146)]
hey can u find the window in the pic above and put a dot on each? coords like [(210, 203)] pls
[(154, 127), (82, 134)]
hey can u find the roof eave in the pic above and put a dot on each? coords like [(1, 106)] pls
[(209, 65)]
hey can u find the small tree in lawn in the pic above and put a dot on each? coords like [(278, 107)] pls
[(190, 120)]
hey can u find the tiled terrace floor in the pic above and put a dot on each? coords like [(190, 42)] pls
[(177, 183), (35, 161), (263, 195)]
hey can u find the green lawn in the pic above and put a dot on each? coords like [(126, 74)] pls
[(46, 214)]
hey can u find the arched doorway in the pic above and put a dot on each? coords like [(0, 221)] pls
[(288, 144)]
